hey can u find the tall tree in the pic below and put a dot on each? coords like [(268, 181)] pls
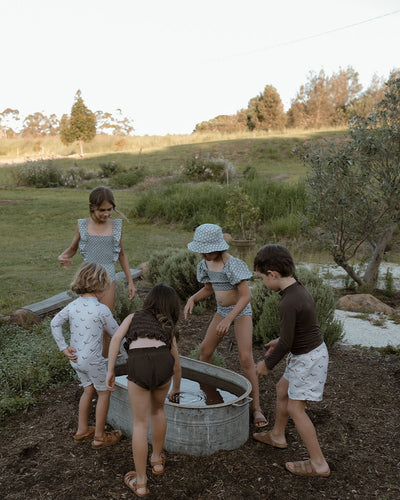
[(115, 124), (323, 100), (38, 124), (354, 187), (8, 119), (80, 126), (266, 112)]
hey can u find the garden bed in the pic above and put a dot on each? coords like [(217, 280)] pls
[(357, 424)]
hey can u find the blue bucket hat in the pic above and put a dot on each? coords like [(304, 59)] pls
[(208, 238)]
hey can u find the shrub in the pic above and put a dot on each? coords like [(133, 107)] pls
[(109, 169), (180, 271), (39, 175), (156, 260), (216, 359), (123, 306), (390, 289), (266, 316), (73, 177), (128, 178), (31, 363), (204, 168), (264, 304), (177, 268)]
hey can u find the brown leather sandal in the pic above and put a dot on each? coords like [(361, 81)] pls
[(158, 462), (86, 435), (131, 481), (108, 439), (305, 468)]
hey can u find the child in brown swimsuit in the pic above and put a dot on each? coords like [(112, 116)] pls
[(152, 360)]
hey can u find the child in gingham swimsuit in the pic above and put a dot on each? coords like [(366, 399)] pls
[(100, 240), (226, 277)]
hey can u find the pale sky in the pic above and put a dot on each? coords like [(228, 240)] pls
[(169, 64)]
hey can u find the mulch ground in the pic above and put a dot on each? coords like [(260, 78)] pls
[(358, 425)]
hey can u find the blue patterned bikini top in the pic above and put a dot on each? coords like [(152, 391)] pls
[(235, 271)]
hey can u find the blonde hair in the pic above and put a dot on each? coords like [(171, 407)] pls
[(90, 278)]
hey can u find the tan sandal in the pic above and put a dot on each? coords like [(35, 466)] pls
[(130, 480), (86, 435), (161, 462), (108, 439), (266, 438), (305, 468)]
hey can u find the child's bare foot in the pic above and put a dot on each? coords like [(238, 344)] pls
[(258, 418), (108, 439)]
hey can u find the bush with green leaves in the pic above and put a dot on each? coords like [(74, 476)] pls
[(216, 359), (39, 175), (178, 269), (156, 260), (47, 175), (207, 168), (30, 363), (128, 178), (110, 169), (123, 306), (73, 177), (265, 309)]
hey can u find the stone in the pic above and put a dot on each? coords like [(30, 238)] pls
[(24, 317), (363, 302)]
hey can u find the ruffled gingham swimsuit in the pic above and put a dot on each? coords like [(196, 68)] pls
[(103, 250)]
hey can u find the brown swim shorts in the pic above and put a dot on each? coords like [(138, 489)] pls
[(150, 367)]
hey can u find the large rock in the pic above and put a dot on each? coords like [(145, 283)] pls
[(363, 302)]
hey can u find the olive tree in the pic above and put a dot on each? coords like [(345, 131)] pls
[(354, 187)]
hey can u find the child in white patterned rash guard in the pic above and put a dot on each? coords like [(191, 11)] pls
[(226, 277), (87, 318), (99, 239), (307, 361)]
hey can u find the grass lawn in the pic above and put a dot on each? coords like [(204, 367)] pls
[(38, 224)]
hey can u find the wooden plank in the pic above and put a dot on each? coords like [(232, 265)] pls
[(47, 305), (62, 299)]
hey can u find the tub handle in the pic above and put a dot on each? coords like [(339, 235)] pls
[(244, 402)]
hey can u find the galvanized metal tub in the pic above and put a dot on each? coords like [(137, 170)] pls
[(191, 429)]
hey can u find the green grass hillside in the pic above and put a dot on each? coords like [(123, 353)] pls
[(38, 224)]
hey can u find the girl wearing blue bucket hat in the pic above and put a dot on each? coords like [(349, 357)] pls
[(226, 277)]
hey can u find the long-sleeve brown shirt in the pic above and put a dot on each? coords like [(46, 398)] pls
[(299, 329)]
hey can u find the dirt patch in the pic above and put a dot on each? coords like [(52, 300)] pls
[(9, 202), (357, 425)]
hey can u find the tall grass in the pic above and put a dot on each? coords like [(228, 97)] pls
[(281, 205)]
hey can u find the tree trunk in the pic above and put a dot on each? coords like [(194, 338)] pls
[(81, 146), (349, 270), (371, 274)]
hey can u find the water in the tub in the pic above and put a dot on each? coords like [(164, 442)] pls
[(200, 394)]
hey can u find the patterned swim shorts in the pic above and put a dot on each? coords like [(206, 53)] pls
[(307, 373)]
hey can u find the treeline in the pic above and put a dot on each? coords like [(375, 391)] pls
[(40, 125), (323, 101)]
